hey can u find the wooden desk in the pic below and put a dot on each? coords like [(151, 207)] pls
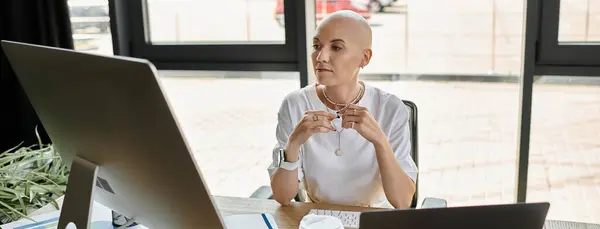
[(287, 217)]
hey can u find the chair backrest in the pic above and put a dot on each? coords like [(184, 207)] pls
[(414, 140)]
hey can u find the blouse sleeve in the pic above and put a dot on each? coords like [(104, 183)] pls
[(282, 132)]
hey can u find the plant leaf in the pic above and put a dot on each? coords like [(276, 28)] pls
[(37, 134), (16, 211), (43, 176), (23, 206), (8, 190), (11, 158), (11, 149), (29, 179), (51, 200), (26, 162), (7, 216)]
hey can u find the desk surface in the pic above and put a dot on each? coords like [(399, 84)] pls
[(286, 217), (289, 217)]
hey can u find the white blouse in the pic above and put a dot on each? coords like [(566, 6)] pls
[(353, 177)]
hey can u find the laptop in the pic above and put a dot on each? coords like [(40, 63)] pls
[(109, 119), (499, 216)]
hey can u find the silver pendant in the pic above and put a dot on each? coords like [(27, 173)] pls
[(339, 152)]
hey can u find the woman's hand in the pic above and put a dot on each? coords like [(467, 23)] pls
[(362, 121), (312, 122), (284, 183)]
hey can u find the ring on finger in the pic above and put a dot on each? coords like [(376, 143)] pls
[(316, 118), (353, 111), (352, 125)]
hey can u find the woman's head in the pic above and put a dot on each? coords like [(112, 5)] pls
[(341, 46)]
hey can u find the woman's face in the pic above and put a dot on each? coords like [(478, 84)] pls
[(338, 51)]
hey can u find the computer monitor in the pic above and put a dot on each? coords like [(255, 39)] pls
[(109, 119)]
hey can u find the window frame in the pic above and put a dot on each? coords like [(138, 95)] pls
[(553, 52), (238, 57), (543, 55)]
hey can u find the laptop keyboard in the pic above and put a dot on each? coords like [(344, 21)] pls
[(349, 219), (556, 224)]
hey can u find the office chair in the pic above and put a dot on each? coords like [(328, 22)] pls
[(414, 141), (265, 192)]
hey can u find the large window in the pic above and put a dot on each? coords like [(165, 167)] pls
[(569, 35), (467, 137), (90, 23), (459, 61), (579, 21), (216, 35), (559, 150), (216, 22), (232, 134), (564, 158), (433, 38)]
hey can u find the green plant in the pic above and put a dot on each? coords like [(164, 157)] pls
[(30, 178)]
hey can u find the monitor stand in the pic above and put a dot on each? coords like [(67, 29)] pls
[(79, 197)]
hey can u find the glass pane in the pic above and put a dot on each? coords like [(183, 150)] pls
[(579, 21), (459, 61), (326, 7), (90, 24), (216, 22), (467, 133), (465, 38), (564, 162), (232, 134), (436, 38)]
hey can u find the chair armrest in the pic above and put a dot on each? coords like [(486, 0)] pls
[(264, 192), (430, 202)]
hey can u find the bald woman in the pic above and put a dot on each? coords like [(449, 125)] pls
[(341, 140)]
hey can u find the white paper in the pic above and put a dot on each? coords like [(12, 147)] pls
[(246, 221)]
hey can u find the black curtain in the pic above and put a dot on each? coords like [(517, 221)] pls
[(42, 22)]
